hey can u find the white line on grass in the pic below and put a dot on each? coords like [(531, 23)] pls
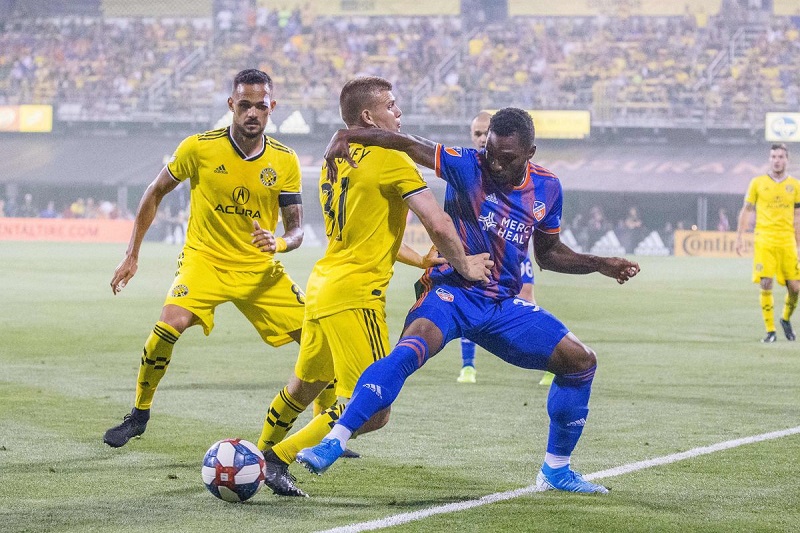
[(508, 495)]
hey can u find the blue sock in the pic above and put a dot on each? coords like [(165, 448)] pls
[(381, 382), (568, 407), (467, 352)]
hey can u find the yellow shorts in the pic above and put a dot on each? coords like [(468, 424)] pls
[(341, 346), (270, 300), (775, 262)]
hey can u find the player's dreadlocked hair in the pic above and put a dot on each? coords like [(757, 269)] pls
[(252, 76), (511, 120)]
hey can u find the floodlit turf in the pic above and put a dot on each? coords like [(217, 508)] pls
[(680, 367)]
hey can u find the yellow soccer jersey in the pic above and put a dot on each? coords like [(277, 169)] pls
[(775, 204), (229, 191), (365, 216)]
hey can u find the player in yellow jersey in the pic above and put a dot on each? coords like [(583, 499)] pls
[(345, 330), (240, 179), (775, 199)]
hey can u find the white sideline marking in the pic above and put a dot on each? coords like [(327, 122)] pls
[(508, 495)]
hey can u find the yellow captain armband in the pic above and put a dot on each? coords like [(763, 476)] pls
[(280, 244)]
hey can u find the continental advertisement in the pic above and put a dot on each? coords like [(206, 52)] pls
[(26, 118), (710, 244), (65, 230), (617, 8), (559, 124), (366, 8)]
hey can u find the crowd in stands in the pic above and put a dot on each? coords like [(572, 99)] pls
[(78, 208), (105, 66), (616, 67)]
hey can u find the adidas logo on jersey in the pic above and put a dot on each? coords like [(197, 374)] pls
[(220, 170), (492, 198)]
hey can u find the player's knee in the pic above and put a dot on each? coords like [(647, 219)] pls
[(304, 391), (571, 356)]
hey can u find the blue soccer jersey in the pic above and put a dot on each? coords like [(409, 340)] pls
[(494, 219)]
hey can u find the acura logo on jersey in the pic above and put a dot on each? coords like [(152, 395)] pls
[(240, 195), (269, 177)]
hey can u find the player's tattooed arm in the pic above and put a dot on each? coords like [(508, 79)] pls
[(266, 241), (293, 224)]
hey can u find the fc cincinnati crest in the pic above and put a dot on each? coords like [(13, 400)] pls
[(538, 210), (444, 295), (179, 291), (269, 177)]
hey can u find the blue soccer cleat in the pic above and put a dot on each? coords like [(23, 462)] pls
[(319, 458), (565, 479)]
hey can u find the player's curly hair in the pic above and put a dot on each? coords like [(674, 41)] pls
[(252, 76), (511, 120), (359, 94)]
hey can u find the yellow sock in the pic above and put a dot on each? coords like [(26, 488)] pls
[(767, 309), (789, 305), (326, 398), (155, 359), (281, 415), (310, 435)]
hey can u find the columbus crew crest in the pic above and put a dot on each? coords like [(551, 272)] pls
[(269, 177), (179, 291)]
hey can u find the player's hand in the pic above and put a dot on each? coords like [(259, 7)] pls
[(739, 246), (263, 239), (477, 267), (338, 148), (432, 258), (620, 269), (123, 273)]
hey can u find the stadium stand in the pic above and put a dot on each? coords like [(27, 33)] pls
[(128, 79)]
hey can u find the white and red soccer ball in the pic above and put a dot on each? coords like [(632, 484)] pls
[(234, 470)]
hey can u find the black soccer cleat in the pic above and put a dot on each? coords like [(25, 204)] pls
[(280, 480), (771, 337), (132, 425), (787, 330), (350, 454)]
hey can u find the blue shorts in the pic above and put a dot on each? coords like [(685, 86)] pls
[(513, 329), (526, 270)]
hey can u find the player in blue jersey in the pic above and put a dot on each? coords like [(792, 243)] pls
[(498, 199), (479, 130)]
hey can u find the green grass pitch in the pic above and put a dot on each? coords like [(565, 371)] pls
[(680, 366)]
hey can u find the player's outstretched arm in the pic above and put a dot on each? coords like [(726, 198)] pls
[(408, 256), (443, 233), (552, 254), (145, 214), (420, 149)]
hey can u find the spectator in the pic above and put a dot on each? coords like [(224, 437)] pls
[(723, 224), (49, 211), (27, 209)]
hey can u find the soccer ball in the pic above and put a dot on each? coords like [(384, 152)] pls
[(234, 470)]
